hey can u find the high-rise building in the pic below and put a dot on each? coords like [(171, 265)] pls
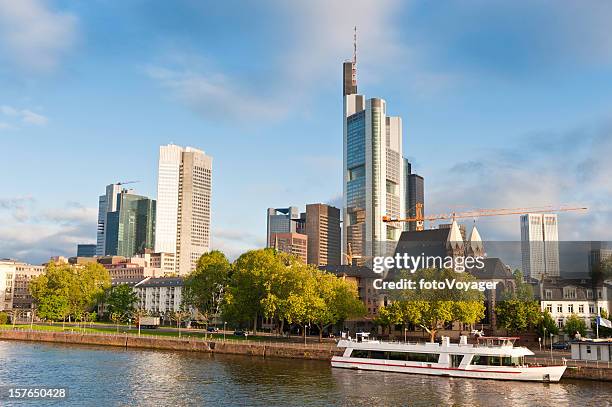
[(292, 243), (415, 194), (106, 203), (131, 228), (540, 245), (322, 227), (184, 189), (373, 173), (283, 220)]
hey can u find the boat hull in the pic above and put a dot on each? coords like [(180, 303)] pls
[(547, 374)]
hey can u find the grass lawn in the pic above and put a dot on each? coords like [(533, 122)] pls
[(185, 333)]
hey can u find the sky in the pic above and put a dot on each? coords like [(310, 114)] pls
[(504, 104)]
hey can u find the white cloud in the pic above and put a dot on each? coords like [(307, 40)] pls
[(34, 36), (234, 242), (33, 234), (24, 115), (545, 169)]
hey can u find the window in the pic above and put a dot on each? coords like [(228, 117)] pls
[(570, 308), (581, 309), (359, 353), (560, 322), (589, 293), (549, 308), (548, 294), (591, 309), (569, 293), (559, 308), (456, 360)]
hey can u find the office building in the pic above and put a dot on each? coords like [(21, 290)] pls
[(160, 296), (130, 229), (106, 203), (291, 243), (184, 189), (415, 194), (283, 220), (540, 245), (322, 227), (86, 250), (373, 184)]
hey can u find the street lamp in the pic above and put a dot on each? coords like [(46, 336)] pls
[(405, 334), (551, 341), (544, 336), (540, 343), (224, 329)]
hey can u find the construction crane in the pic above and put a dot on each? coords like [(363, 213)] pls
[(420, 219)]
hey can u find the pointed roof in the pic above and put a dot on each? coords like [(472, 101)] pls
[(475, 241), (454, 240)]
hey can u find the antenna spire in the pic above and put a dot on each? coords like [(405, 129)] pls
[(355, 45)]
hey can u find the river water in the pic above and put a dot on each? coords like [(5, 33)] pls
[(105, 376)]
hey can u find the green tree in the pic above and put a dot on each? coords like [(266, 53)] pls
[(547, 321), (432, 308), (574, 324), (388, 316), (518, 311), (3, 318), (78, 288), (205, 286), (121, 299)]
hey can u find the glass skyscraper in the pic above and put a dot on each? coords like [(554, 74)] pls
[(374, 184), (131, 228)]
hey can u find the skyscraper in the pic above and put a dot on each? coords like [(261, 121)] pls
[(283, 220), (131, 228), (415, 194), (373, 172), (184, 189), (323, 231), (540, 245), (106, 203)]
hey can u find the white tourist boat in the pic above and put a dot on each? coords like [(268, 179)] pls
[(491, 358)]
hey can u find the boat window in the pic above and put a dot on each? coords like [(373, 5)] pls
[(377, 354), (397, 356), (423, 357), (484, 360), (359, 353), (456, 360)]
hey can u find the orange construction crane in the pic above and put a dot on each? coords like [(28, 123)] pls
[(420, 219)]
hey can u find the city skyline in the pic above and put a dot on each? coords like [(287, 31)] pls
[(479, 119)]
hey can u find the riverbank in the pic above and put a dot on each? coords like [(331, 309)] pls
[(235, 347)]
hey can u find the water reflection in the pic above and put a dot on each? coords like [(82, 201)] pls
[(117, 377)]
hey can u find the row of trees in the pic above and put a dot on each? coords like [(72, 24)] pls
[(65, 292), (433, 309), (269, 284)]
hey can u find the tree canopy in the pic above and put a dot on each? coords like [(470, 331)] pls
[(64, 290)]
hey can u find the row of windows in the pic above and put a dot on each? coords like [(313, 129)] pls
[(570, 308), (403, 356)]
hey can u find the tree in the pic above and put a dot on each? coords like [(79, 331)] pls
[(574, 324), (547, 321), (388, 316), (205, 286), (3, 318), (247, 285), (121, 299), (179, 317), (432, 308), (518, 311), (66, 290)]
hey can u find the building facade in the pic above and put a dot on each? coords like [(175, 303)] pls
[(15, 279), (86, 250), (373, 173), (292, 243), (106, 203), (565, 297), (282, 220), (160, 295), (540, 245), (415, 194), (130, 229), (322, 226), (184, 190)]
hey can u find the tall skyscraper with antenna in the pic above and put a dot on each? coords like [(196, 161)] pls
[(373, 180)]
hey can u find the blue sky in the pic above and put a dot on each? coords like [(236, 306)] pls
[(504, 104)]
